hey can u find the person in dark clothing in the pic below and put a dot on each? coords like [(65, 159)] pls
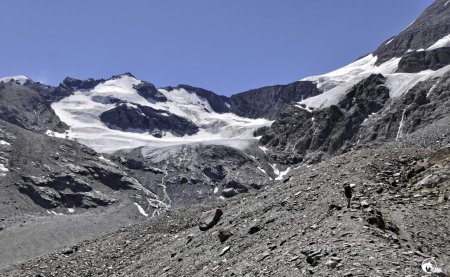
[(348, 193)]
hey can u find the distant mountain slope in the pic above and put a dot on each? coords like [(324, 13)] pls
[(268, 102), (28, 109), (398, 90), (431, 26)]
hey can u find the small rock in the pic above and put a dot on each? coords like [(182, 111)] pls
[(225, 250), (254, 229), (67, 251), (224, 234), (262, 256), (229, 192), (331, 264), (189, 238)]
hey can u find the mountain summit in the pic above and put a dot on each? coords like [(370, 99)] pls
[(117, 177)]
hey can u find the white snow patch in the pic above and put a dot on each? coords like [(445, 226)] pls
[(51, 133), (20, 78), (82, 114), (2, 142), (400, 83), (55, 213), (388, 42), (336, 84), (264, 149), (282, 174), (443, 42), (265, 172), (141, 210), (304, 107), (3, 170), (262, 170), (107, 161)]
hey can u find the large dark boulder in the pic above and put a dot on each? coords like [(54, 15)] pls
[(209, 219)]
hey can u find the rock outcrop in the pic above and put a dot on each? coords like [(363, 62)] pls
[(136, 118), (431, 26)]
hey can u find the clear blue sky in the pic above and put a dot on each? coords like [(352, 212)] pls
[(227, 46)]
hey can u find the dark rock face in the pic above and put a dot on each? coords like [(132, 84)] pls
[(297, 132), (147, 119), (420, 107), (268, 102), (56, 174), (150, 92), (66, 88), (26, 108), (75, 84), (49, 198), (365, 116), (431, 26), (418, 61)]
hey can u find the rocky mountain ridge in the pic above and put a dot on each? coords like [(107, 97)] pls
[(223, 190)]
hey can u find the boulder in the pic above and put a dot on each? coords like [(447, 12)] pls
[(209, 219), (428, 182), (254, 229), (229, 192), (224, 234)]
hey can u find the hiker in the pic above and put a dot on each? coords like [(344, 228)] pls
[(348, 193)]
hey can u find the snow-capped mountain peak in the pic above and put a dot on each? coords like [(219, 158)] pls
[(20, 79), (114, 115)]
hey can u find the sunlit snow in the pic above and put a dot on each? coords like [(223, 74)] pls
[(2, 142), (443, 42), (337, 83), (3, 170), (141, 210), (20, 78), (82, 113), (388, 42)]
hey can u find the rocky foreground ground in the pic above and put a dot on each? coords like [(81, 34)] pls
[(297, 227)]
